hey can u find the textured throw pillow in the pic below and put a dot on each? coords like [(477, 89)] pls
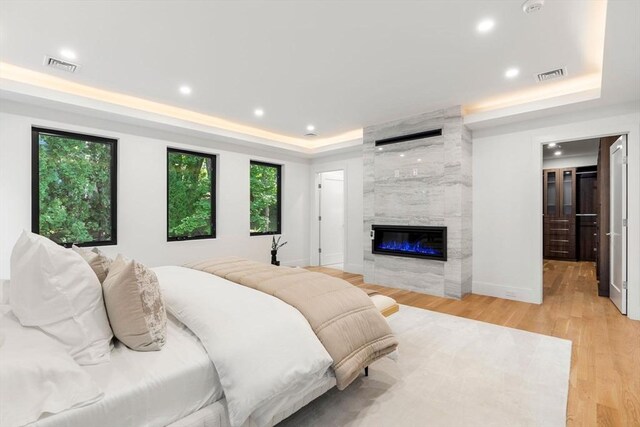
[(98, 261), (135, 306), (54, 289)]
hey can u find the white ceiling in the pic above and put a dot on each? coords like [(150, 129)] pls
[(338, 65), (585, 147)]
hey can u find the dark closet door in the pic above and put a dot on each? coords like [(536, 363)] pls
[(567, 192), (587, 238), (587, 218), (559, 209), (550, 209), (551, 193)]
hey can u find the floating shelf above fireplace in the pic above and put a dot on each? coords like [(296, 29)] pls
[(410, 241)]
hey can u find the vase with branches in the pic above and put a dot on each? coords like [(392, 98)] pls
[(275, 245)]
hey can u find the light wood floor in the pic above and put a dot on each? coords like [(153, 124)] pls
[(604, 387)]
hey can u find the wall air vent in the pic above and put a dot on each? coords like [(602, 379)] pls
[(550, 75), (411, 137), (59, 64)]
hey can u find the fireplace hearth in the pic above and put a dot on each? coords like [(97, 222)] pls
[(410, 241)]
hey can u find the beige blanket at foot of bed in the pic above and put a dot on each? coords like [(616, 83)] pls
[(342, 316)]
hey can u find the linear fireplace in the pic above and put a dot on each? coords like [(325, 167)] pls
[(410, 241)]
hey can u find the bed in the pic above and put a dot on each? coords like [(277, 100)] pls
[(148, 388), (220, 336), (177, 386)]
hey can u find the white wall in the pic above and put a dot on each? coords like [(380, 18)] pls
[(570, 162), (351, 163), (507, 199), (142, 192), (507, 195)]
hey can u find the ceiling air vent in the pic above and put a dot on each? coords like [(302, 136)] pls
[(310, 134), (60, 64), (550, 75)]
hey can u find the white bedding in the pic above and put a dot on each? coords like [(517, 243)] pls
[(215, 415), (271, 359), (264, 350), (37, 374), (148, 388)]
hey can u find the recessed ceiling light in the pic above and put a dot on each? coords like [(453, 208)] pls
[(311, 128), (68, 53), (402, 155), (557, 153), (419, 160), (259, 112), (379, 148), (511, 73), (551, 145), (185, 90), (485, 25), (531, 6)]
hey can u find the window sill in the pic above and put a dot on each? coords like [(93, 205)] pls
[(266, 233), (186, 239)]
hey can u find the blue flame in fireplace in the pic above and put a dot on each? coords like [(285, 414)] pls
[(407, 247)]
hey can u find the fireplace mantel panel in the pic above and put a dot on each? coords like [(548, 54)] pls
[(420, 182)]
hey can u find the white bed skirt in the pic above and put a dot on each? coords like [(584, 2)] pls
[(215, 415)]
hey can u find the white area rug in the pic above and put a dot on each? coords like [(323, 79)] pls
[(453, 371)]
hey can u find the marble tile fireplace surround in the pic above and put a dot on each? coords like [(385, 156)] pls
[(417, 172)]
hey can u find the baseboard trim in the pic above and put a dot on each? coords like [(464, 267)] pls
[(333, 258), (354, 268), (505, 292), (302, 262)]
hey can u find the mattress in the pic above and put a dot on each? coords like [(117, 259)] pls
[(153, 388), (215, 415)]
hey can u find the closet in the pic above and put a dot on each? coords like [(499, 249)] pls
[(586, 213), (569, 214), (559, 213)]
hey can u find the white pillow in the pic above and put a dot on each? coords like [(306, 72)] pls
[(55, 289), (37, 375)]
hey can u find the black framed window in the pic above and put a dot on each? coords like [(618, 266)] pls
[(191, 195), (74, 187), (265, 198)]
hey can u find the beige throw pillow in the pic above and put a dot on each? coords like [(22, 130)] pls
[(134, 305), (97, 260)]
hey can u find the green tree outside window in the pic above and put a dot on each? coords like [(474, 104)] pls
[(74, 177), (191, 199), (265, 198)]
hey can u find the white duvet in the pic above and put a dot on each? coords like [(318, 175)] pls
[(262, 348)]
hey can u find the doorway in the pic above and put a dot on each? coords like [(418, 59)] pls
[(331, 213), (584, 218)]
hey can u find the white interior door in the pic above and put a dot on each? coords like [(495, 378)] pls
[(618, 224), (331, 217)]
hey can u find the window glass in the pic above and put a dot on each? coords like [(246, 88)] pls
[(191, 195), (265, 198), (74, 187)]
